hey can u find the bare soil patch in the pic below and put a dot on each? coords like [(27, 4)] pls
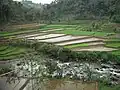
[(70, 85)]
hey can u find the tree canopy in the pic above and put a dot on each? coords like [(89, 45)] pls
[(59, 10)]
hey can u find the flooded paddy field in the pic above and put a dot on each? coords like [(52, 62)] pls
[(63, 39), (94, 48), (78, 41), (47, 36)]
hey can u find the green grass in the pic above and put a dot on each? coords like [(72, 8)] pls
[(105, 87), (3, 47), (117, 52), (15, 51), (113, 44), (8, 50), (3, 34), (11, 52), (57, 27), (9, 57), (88, 33), (76, 29), (113, 40), (46, 27), (75, 22), (77, 45)]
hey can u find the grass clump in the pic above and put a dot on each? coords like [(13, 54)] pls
[(113, 45), (117, 52), (102, 86), (77, 45)]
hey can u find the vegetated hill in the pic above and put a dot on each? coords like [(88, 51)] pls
[(26, 11), (19, 12), (84, 9)]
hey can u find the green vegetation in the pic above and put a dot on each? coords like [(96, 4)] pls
[(10, 52), (113, 44), (117, 52), (44, 27), (107, 87), (3, 47), (77, 45), (99, 18), (88, 33), (66, 55), (21, 12), (59, 26), (11, 33)]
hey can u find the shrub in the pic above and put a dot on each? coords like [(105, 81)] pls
[(115, 18)]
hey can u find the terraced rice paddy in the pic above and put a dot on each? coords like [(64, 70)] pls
[(85, 45), (71, 39), (63, 35), (75, 43), (79, 41), (31, 35), (10, 52), (52, 30), (47, 36), (63, 39), (94, 48)]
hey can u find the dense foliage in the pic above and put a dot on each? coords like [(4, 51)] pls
[(83, 9), (16, 12), (59, 10)]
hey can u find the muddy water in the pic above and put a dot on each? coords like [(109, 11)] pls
[(70, 85)]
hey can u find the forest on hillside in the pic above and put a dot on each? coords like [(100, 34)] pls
[(59, 10)]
